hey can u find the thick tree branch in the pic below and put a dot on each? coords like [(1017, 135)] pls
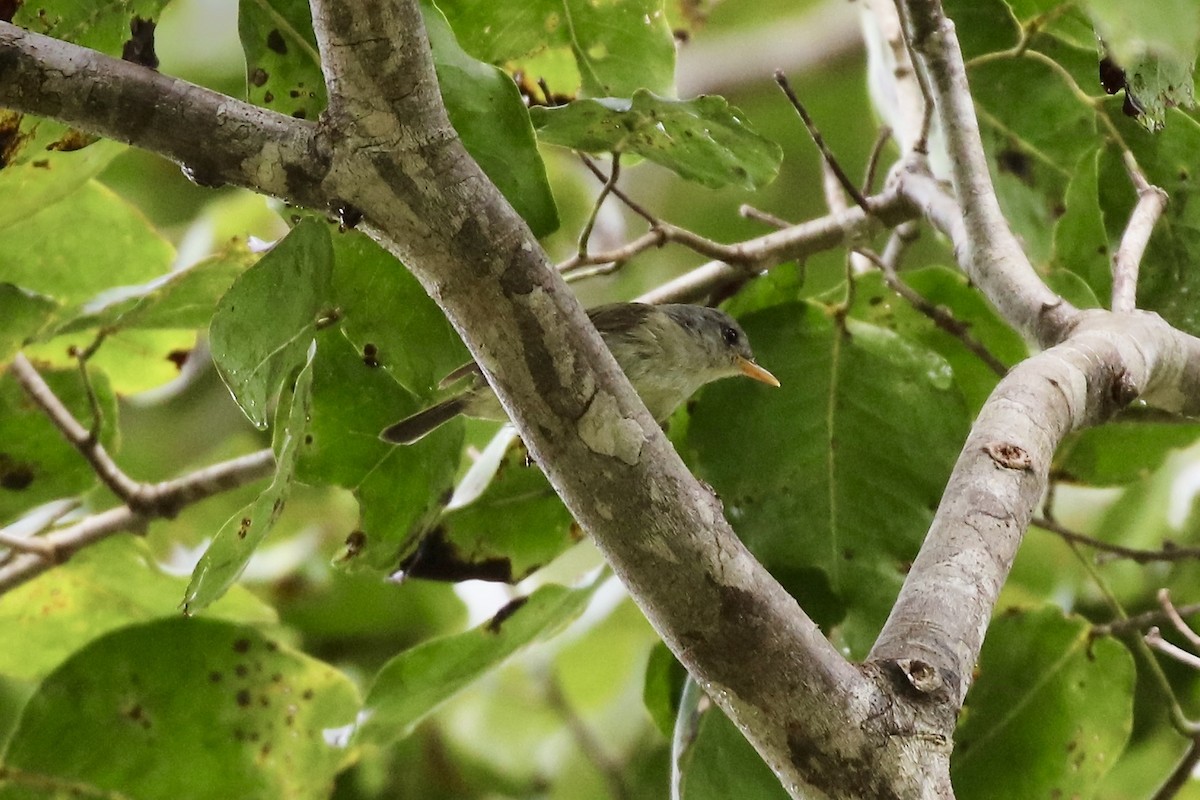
[(215, 138), (663, 533), (946, 602), (989, 253), (889, 208), (1152, 201), (59, 545)]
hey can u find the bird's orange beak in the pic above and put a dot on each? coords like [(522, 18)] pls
[(752, 370)]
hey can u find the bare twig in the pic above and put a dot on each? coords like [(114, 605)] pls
[(758, 215), (591, 747), (1140, 621), (1152, 201), (898, 243), (1156, 641), (989, 252), (1164, 601), (940, 316), (132, 492), (609, 185), (819, 140), (634, 206), (174, 494), (881, 140), (793, 242), (1137, 555)]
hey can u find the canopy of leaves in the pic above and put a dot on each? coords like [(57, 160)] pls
[(354, 572)]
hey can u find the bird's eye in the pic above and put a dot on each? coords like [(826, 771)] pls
[(730, 335)]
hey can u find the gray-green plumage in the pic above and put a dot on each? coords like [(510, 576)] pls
[(667, 352)]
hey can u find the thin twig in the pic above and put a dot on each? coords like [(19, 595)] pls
[(1140, 621), (898, 243), (172, 495), (609, 185), (633, 206), (819, 140), (794, 242), (591, 747), (940, 316), (881, 140), (132, 492), (1137, 555), (1164, 601), (1156, 641), (1151, 203), (1179, 720), (748, 211)]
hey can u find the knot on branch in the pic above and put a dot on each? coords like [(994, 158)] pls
[(1009, 455)]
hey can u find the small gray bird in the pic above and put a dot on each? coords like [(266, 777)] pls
[(667, 352)]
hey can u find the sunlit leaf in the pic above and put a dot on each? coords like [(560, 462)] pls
[(1049, 713), (237, 540), (264, 324), (36, 462), (417, 681), (705, 140), (193, 708), (103, 587), (837, 504), (618, 46)]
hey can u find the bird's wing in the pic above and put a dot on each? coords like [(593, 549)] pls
[(619, 317), (613, 318), (468, 369)]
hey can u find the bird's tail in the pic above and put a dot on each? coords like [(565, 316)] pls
[(422, 423)]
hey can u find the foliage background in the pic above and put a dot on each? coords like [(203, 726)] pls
[(586, 711)]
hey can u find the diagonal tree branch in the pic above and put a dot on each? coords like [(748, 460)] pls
[(664, 534), (989, 253), (215, 138)]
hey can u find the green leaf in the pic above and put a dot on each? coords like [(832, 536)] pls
[(264, 324), (103, 587), (133, 360), (22, 314), (665, 677), (416, 682), (489, 114), (1155, 84), (515, 526), (45, 161), (1158, 506), (398, 489), (1156, 47), (237, 540), (385, 311), (98, 26), (836, 509), (37, 464), (704, 140), (283, 67), (1122, 451), (721, 764), (1080, 240), (77, 248), (617, 46), (874, 302), (183, 299), (248, 717), (1049, 714)]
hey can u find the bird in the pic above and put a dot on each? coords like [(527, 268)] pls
[(667, 351)]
